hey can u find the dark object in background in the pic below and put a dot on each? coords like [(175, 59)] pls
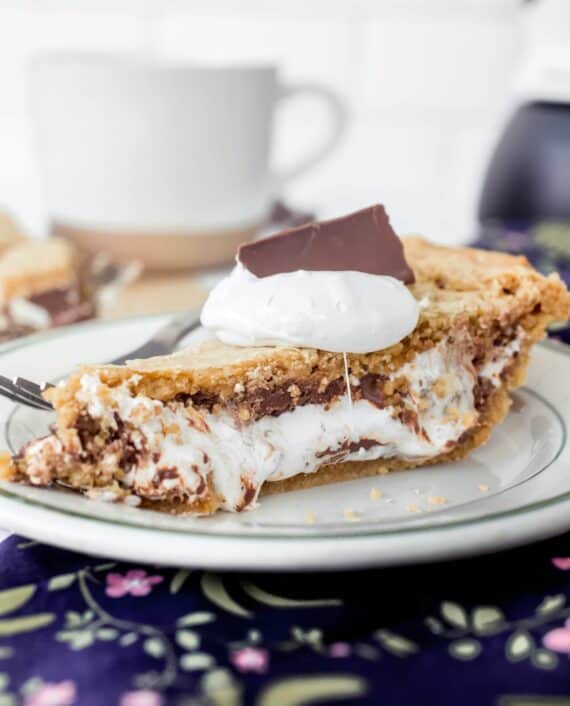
[(528, 179), (525, 201), (285, 217)]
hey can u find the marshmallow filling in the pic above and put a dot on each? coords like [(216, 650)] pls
[(179, 451)]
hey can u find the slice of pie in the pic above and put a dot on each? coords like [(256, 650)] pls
[(42, 284), (212, 426), (50, 283)]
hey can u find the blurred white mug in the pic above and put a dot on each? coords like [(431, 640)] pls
[(168, 163)]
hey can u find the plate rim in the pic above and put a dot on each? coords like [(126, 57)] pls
[(312, 534)]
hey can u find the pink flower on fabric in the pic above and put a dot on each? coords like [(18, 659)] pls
[(142, 697), (136, 582), (51, 694), (339, 649), (250, 659), (562, 562), (558, 639)]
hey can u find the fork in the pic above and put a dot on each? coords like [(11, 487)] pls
[(29, 393)]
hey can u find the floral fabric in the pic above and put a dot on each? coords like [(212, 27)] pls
[(489, 631)]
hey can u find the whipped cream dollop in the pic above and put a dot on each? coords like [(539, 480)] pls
[(338, 311)]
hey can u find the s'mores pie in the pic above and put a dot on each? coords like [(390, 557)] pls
[(338, 352), (42, 285)]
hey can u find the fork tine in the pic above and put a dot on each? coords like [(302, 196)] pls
[(30, 390), (24, 397), (32, 387), (4, 392), (18, 394)]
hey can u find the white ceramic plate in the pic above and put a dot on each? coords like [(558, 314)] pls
[(513, 490)]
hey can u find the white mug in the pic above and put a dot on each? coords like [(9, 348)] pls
[(136, 152)]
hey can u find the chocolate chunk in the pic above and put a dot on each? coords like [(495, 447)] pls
[(248, 496), (198, 399), (129, 454), (363, 444), (410, 418), (371, 389), (347, 448), (64, 305), (276, 401), (87, 428), (167, 473), (56, 300), (482, 392), (363, 241)]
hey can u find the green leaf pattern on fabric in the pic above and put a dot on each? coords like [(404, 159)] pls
[(180, 648)]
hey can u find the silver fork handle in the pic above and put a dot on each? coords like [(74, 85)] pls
[(165, 338)]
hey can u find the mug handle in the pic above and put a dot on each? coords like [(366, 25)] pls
[(339, 119)]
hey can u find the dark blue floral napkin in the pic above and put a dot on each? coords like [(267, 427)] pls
[(490, 631)]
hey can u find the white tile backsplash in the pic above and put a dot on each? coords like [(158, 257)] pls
[(305, 48), (381, 160), (436, 64), (427, 82)]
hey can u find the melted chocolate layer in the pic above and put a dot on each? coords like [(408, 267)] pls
[(64, 305), (264, 403), (371, 387)]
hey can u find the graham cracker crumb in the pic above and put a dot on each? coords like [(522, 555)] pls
[(441, 386), (375, 494), (350, 515), (141, 414), (196, 420), (423, 404), (484, 488), (294, 391), (171, 429), (244, 414), (310, 518), (436, 500), (452, 414), (239, 387), (323, 384), (7, 468), (469, 418), (104, 393), (413, 508)]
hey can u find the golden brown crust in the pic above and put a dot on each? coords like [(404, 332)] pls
[(8, 469), (35, 267)]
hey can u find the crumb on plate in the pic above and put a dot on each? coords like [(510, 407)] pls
[(413, 508), (437, 500)]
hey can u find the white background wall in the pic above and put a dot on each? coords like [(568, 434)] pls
[(429, 83)]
